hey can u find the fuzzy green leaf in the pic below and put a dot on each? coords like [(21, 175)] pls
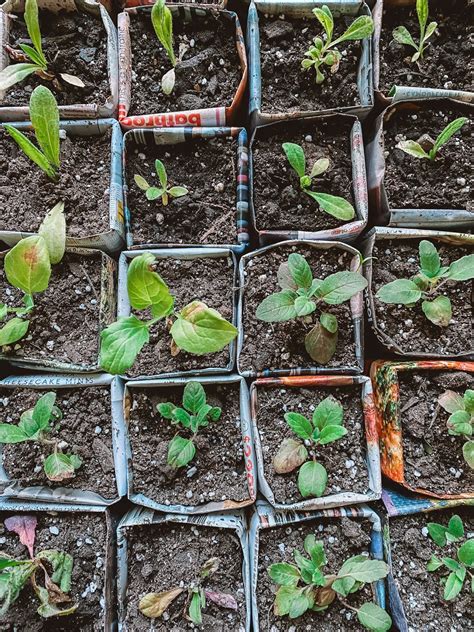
[(31, 151), (146, 288), (32, 24), (439, 311), (13, 331), (121, 342), (14, 73), (284, 598), (10, 433), (161, 173), (300, 270), (448, 132), (430, 262), (324, 16), (462, 269), (333, 205), (453, 586), (329, 434), (177, 192), (299, 424), (312, 479), (402, 36), (373, 617), (284, 574), (162, 20), (53, 231), (44, 115), (329, 412), (277, 307), (437, 533), (195, 613), (141, 182), (401, 291), (361, 28), (466, 553), (194, 397), (200, 329), (341, 286), (296, 158), (180, 451), (27, 265)]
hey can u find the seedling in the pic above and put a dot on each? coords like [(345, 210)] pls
[(195, 414), (459, 569), (165, 192), (402, 35), (162, 20), (153, 605), (197, 328), (305, 586), (326, 427), (413, 148), (16, 573), (428, 281), (35, 425), (301, 295), (461, 419), (323, 52)]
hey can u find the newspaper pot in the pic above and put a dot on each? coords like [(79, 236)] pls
[(214, 266), (155, 142), (88, 533), (208, 4), (77, 111), (98, 304), (393, 427), (218, 116), (113, 238), (297, 131), (385, 214), (293, 527), (253, 362), (205, 535)]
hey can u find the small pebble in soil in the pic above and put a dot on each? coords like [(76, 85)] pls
[(98, 430), (54, 530)]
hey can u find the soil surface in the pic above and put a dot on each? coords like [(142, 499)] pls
[(344, 459), (27, 194), (447, 57), (420, 591), (208, 280), (208, 75), (342, 539), (433, 458), (83, 536), (279, 202), (85, 427), (216, 473), (65, 330), (162, 557), (285, 85), (420, 183), (73, 43), (207, 214), (407, 326), (281, 345)]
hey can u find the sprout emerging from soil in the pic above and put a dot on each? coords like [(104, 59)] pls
[(415, 149), (461, 419), (305, 586), (165, 192), (403, 36), (162, 20)]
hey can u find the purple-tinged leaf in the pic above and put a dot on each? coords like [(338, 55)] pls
[(223, 600), (25, 528)]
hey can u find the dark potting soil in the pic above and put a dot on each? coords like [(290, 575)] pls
[(207, 214), (446, 60), (216, 473), (420, 590), (85, 427), (420, 183), (207, 76), (73, 43), (433, 458), (344, 459), (279, 202), (208, 280), (342, 539), (407, 326), (27, 194), (64, 325), (162, 557), (84, 536), (281, 345), (286, 87)]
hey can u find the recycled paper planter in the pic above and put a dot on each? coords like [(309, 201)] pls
[(211, 4)]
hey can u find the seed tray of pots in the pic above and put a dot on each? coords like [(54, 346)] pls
[(280, 208), (203, 274), (79, 38), (65, 325), (404, 329), (214, 210), (417, 450), (165, 552), (411, 192), (201, 97), (90, 185), (87, 533)]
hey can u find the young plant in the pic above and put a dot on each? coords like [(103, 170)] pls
[(301, 295), (35, 425), (403, 36), (153, 605), (323, 52), (196, 329), (332, 204), (49, 572), (326, 427), (305, 586), (461, 419), (165, 192), (162, 20), (459, 568), (428, 281), (195, 414), (413, 148)]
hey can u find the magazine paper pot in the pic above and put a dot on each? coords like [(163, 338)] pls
[(208, 4), (220, 116), (77, 111), (114, 238), (142, 516), (172, 136)]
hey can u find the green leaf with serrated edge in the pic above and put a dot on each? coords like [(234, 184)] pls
[(146, 288), (451, 401), (27, 265), (329, 434), (53, 231), (194, 397), (312, 480), (14, 73), (295, 156), (412, 148), (368, 571), (304, 306), (303, 563), (361, 28), (284, 598), (320, 166), (44, 115), (299, 424), (200, 329), (183, 417), (448, 132), (121, 342), (333, 205), (329, 412), (291, 454), (437, 533), (329, 322), (180, 451), (402, 36), (401, 291), (430, 262), (453, 587), (468, 453), (300, 270), (215, 413), (439, 311), (277, 307), (32, 24), (58, 467), (462, 269), (13, 331), (320, 344), (468, 401), (434, 564), (456, 527), (141, 182), (326, 20), (466, 553), (153, 193), (373, 617), (39, 416), (299, 605), (161, 173), (31, 151), (166, 409), (285, 280), (344, 584), (284, 574), (162, 20), (9, 433), (340, 287)]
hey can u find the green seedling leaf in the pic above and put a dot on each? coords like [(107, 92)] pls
[(200, 329), (153, 605), (434, 564), (368, 571), (180, 452), (285, 280), (9, 433), (466, 553), (291, 454), (161, 173), (430, 262), (144, 186), (32, 24), (284, 574), (53, 231), (468, 453), (177, 192), (295, 156), (14, 73), (321, 343), (456, 527), (334, 205), (468, 401), (361, 28), (320, 166), (401, 291), (27, 265), (453, 586), (448, 132), (121, 342), (460, 423), (146, 288), (31, 151), (300, 270), (412, 148), (402, 36), (304, 306), (462, 269), (58, 467), (162, 20), (340, 287), (182, 417), (439, 311), (299, 605), (326, 20), (168, 81), (312, 480), (153, 193), (194, 397), (329, 434), (437, 533), (422, 13), (299, 424), (329, 412), (277, 307), (44, 115), (13, 331), (195, 613), (373, 617), (284, 598)]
